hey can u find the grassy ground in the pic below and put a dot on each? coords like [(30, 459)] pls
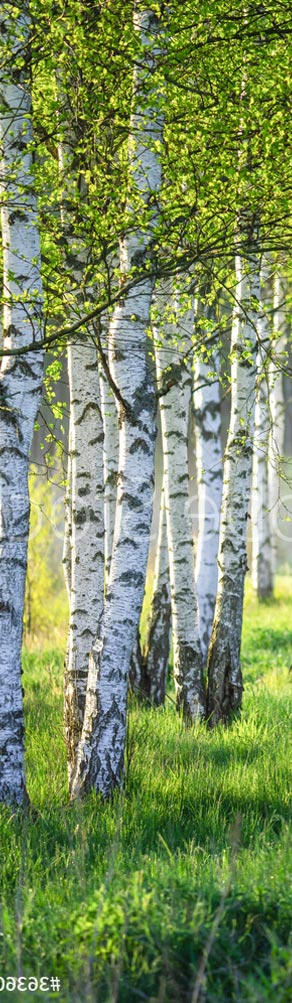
[(180, 890)]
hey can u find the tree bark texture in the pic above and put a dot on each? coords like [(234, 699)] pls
[(173, 342), (67, 547), (157, 643), (225, 685), (261, 564), (87, 534), (84, 505), (277, 407), (110, 460), (137, 668), (101, 749), (20, 384), (207, 413)]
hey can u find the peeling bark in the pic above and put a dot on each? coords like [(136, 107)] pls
[(20, 386)]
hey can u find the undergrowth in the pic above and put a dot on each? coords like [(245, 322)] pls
[(179, 890)]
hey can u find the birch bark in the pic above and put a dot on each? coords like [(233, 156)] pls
[(207, 412), (276, 408), (101, 749), (110, 461), (174, 410), (20, 382), (84, 522), (224, 672), (157, 644), (261, 566), (87, 535), (67, 548)]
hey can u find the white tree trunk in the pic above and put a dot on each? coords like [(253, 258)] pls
[(20, 386), (173, 339), (84, 506), (224, 671), (67, 548), (276, 408), (110, 461), (87, 534), (101, 750), (261, 566), (157, 643), (207, 411)]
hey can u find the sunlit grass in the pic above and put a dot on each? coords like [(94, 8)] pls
[(121, 900)]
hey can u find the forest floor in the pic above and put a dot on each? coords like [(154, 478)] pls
[(180, 890)]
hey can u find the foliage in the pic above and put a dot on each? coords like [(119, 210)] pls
[(91, 50), (120, 900), (82, 57)]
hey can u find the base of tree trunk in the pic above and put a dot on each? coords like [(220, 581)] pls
[(264, 586), (265, 593), (225, 685), (190, 696)]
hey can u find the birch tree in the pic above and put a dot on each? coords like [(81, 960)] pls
[(207, 414), (20, 378), (224, 671), (157, 642), (149, 663), (87, 534), (261, 567), (101, 749), (174, 411), (84, 523), (276, 406)]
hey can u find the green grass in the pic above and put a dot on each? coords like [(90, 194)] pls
[(192, 861)]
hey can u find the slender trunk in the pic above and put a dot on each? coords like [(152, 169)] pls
[(207, 411), (101, 750), (149, 664), (261, 566), (157, 644), (174, 410), (20, 386), (224, 671), (87, 532), (84, 519), (276, 408)]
